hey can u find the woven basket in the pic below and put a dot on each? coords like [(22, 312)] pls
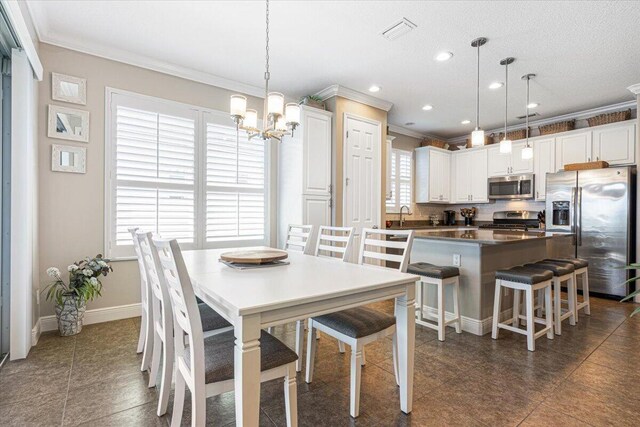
[(429, 142), (557, 127), (514, 135), (603, 119)]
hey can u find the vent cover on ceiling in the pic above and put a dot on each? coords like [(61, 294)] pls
[(398, 29), (530, 115)]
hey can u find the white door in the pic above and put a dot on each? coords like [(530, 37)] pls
[(498, 163), (518, 164), (362, 173), (317, 153), (544, 162), (615, 144), (478, 177), (574, 148), (462, 181)]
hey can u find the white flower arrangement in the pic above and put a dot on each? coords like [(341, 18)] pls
[(72, 268), (53, 272), (84, 282)]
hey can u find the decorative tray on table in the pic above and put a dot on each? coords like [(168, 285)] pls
[(254, 258)]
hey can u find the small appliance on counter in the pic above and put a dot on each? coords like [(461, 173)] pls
[(468, 214), (449, 217)]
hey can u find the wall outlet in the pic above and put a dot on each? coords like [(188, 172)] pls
[(456, 260)]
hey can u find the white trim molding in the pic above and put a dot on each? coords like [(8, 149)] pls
[(635, 89), (354, 95), (19, 25), (97, 315)]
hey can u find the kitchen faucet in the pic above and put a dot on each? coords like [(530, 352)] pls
[(401, 218)]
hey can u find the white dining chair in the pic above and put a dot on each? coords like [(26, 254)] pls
[(206, 365), (362, 325), (145, 338)]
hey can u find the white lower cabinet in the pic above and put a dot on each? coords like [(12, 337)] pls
[(433, 175), (544, 161)]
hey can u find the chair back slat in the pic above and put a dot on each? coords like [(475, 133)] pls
[(144, 281), (374, 248), (298, 237), (334, 242)]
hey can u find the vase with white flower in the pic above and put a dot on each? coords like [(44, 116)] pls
[(71, 298)]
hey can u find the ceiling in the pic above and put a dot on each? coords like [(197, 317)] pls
[(585, 54)]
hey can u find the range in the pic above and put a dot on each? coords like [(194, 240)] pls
[(513, 220)]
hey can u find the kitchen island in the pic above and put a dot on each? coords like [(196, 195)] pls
[(480, 253)]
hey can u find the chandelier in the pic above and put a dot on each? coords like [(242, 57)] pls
[(276, 123)]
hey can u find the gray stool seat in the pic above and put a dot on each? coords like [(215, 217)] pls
[(528, 276), (433, 271), (577, 262), (557, 268), (219, 353), (357, 322), (210, 319)]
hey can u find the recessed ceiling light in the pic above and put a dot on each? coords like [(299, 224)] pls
[(427, 107), (443, 56), (496, 85), (409, 124), (374, 88), (533, 105), (465, 122)]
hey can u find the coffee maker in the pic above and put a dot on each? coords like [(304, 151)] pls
[(449, 217)]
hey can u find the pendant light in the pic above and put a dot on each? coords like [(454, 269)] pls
[(527, 151), (477, 136), (505, 144)]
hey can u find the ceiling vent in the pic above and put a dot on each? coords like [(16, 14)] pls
[(398, 29), (530, 115)]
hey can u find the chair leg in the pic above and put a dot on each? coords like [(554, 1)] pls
[(167, 374), (573, 300), (515, 321), (363, 358), (456, 305), (394, 351), (311, 351), (178, 400), (557, 307), (585, 293), (548, 312), (531, 325), (496, 311), (299, 343), (356, 368), (155, 361), (419, 299), (540, 304), (147, 352), (441, 311), (198, 404), (142, 337), (291, 397), (341, 347)]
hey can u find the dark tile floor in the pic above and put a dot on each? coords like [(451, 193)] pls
[(588, 376)]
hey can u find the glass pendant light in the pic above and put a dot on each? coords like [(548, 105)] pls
[(505, 144), (477, 136), (527, 151)]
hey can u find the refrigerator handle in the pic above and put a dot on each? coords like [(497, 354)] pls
[(572, 215), (579, 216)]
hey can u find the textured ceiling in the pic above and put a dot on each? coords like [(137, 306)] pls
[(584, 53)]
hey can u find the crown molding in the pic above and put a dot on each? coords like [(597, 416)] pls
[(579, 115), (354, 95), (634, 89), (406, 132)]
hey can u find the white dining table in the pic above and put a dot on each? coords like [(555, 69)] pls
[(308, 286)]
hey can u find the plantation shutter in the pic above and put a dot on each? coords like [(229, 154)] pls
[(401, 182), (391, 201)]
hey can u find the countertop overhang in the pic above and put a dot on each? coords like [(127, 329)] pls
[(484, 236)]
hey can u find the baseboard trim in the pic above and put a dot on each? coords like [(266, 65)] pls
[(473, 326), (35, 333), (98, 315)]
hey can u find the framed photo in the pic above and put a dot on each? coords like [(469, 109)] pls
[(68, 89), (66, 158), (68, 123)]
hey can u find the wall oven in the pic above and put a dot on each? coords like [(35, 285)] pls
[(511, 187)]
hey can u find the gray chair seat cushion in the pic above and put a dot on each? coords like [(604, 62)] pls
[(433, 271), (528, 276), (577, 262), (218, 355), (558, 268), (210, 318), (357, 322)]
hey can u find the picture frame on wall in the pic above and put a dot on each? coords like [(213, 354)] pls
[(68, 89), (67, 158), (68, 123)]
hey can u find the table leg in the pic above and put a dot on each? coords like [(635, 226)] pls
[(247, 370), (406, 330)]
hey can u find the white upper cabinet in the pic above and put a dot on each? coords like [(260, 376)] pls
[(479, 176), (470, 176), (316, 139), (573, 148), (433, 175), (461, 167), (615, 143), (544, 161), (500, 164)]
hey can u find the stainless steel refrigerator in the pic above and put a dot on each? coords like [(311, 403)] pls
[(599, 207)]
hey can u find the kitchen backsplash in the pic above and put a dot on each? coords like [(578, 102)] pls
[(421, 212)]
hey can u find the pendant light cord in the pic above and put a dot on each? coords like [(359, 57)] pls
[(527, 112), (267, 75), (478, 91), (506, 96)]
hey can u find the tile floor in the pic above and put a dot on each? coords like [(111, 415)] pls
[(588, 376)]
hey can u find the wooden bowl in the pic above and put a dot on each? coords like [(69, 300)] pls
[(254, 256)]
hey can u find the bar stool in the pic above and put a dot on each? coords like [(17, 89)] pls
[(581, 269), (441, 277), (528, 280), (562, 272)]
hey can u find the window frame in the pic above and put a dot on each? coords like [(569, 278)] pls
[(202, 116), (396, 183)]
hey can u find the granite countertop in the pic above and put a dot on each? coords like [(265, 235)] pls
[(485, 237)]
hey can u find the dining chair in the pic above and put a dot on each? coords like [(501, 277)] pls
[(145, 338), (162, 326), (362, 325), (206, 364)]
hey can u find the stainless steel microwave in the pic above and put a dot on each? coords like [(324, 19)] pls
[(511, 187)]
